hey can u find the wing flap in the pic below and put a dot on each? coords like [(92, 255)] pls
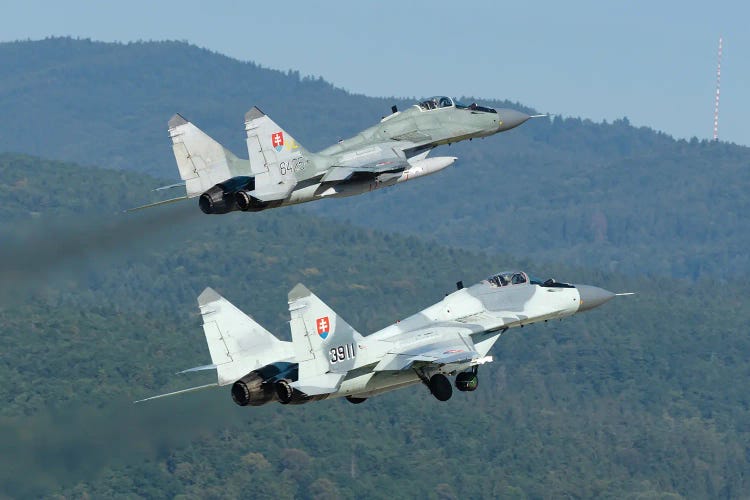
[(340, 173), (456, 349)]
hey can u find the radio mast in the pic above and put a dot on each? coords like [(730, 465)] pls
[(718, 87)]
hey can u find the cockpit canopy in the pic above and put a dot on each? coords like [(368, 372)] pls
[(509, 278), (438, 102)]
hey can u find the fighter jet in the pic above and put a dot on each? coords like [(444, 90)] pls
[(327, 358), (280, 171)]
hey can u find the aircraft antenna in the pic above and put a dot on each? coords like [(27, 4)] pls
[(718, 87)]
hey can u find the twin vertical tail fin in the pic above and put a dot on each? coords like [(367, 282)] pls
[(201, 160), (275, 160), (325, 346), (237, 343), (275, 157)]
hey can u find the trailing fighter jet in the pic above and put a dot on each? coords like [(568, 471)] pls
[(327, 358), (280, 171)]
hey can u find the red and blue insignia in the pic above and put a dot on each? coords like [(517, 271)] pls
[(277, 139), (323, 326)]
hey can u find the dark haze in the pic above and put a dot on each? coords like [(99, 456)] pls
[(49, 247)]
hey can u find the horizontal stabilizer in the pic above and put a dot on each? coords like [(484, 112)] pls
[(151, 205), (198, 369), (191, 389), (171, 186)]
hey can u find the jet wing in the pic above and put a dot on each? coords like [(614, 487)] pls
[(340, 173), (455, 348)]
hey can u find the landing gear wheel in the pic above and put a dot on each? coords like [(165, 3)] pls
[(440, 387), (355, 401), (467, 381)]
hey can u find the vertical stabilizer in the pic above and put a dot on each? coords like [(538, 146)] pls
[(325, 345), (202, 161), (237, 343), (275, 157)]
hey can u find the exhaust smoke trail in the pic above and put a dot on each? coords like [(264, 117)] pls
[(49, 247)]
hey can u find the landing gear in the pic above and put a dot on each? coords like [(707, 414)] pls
[(355, 401), (440, 387), (468, 381)]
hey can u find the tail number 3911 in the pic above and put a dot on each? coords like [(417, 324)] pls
[(342, 353)]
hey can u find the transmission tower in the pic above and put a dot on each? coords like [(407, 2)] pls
[(718, 88)]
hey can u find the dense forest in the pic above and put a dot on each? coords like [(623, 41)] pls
[(646, 397), (605, 196), (640, 398)]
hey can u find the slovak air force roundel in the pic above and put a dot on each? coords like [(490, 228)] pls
[(323, 326), (277, 140)]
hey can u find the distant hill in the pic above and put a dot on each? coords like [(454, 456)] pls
[(108, 104), (604, 196), (641, 398)]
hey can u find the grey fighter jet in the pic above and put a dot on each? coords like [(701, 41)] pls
[(327, 358), (280, 171)]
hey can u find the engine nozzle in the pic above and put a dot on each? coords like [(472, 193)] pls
[(220, 199), (251, 390), (247, 203)]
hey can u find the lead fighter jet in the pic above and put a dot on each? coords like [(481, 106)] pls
[(281, 172), (327, 358)]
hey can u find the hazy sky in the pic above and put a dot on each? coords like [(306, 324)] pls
[(652, 61)]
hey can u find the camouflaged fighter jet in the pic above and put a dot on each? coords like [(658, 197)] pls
[(281, 172), (327, 358)]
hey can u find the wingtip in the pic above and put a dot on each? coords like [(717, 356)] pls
[(254, 113), (177, 120)]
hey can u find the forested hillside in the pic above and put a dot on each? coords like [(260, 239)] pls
[(604, 196), (644, 397)]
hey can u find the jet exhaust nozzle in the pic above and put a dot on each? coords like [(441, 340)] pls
[(214, 201), (221, 199), (253, 390), (247, 203), (287, 395)]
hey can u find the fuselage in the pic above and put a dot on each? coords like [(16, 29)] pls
[(481, 312), (408, 136)]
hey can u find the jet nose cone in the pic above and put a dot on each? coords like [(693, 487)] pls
[(510, 118), (592, 296)]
